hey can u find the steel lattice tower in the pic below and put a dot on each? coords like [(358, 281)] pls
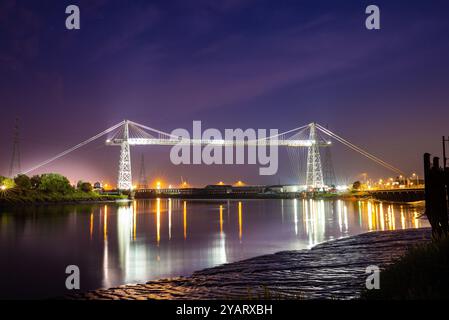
[(14, 167), (314, 169), (124, 171), (142, 178)]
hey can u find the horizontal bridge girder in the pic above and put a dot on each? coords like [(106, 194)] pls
[(218, 142)]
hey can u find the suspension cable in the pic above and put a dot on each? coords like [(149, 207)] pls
[(74, 148), (286, 132), (359, 150), (154, 130)]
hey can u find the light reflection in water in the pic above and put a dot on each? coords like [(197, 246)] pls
[(240, 220), (360, 213), (340, 225), (105, 223), (106, 249), (305, 216), (382, 216), (169, 219), (415, 219), (345, 211), (295, 211), (314, 212), (152, 239), (222, 257), (185, 219), (221, 220), (134, 219), (402, 218), (91, 225), (158, 220)]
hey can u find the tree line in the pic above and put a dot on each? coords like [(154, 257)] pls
[(47, 183)]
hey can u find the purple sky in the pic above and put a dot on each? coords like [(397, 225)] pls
[(247, 64)]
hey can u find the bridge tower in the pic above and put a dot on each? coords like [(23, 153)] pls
[(314, 177), (124, 171)]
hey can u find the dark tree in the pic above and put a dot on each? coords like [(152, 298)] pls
[(356, 185), (23, 181), (35, 181), (86, 187), (55, 183)]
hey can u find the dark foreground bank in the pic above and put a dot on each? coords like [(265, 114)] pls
[(422, 274), (332, 270)]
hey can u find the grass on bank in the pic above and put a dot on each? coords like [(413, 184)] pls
[(34, 196), (422, 273)]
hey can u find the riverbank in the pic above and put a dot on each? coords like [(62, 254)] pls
[(332, 270), (254, 196), (422, 274), (34, 197), (398, 196)]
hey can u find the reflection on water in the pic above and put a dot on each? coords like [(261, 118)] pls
[(150, 239)]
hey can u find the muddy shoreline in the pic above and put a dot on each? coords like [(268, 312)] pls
[(331, 270)]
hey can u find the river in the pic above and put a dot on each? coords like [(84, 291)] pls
[(114, 244)]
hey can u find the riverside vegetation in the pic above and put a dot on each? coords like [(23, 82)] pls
[(423, 272), (48, 188)]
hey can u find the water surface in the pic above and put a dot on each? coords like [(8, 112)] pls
[(116, 244)]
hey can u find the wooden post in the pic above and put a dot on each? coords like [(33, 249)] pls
[(429, 211), (444, 152)]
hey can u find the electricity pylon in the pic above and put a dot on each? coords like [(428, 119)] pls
[(14, 167)]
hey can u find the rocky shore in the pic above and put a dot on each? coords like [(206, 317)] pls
[(332, 270)]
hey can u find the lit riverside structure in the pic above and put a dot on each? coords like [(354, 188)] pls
[(128, 133)]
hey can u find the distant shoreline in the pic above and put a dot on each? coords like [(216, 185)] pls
[(242, 196), (18, 201), (73, 200)]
